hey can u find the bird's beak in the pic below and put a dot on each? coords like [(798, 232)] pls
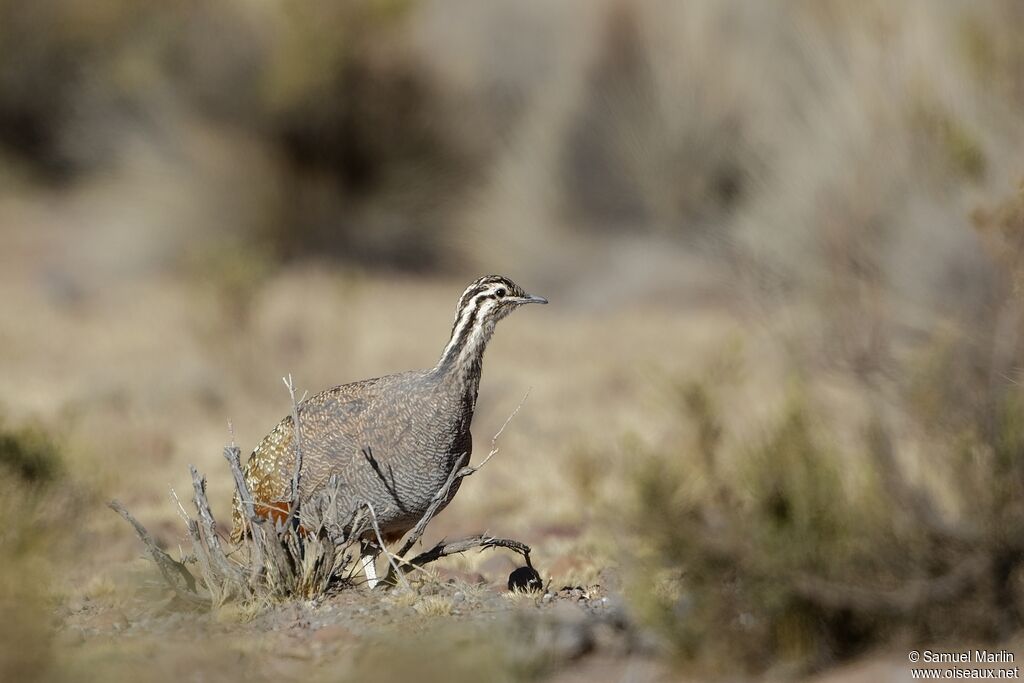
[(531, 299)]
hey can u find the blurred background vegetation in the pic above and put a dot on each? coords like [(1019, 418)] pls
[(784, 242)]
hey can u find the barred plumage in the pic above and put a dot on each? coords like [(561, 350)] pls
[(394, 440)]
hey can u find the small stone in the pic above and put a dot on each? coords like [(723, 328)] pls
[(548, 597), (459, 596)]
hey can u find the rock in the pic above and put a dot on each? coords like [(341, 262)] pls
[(525, 579)]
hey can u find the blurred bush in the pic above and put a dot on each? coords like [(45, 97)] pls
[(801, 557), (29, 454), (808, 544), (363, 141), (785, 140), (34, 517)]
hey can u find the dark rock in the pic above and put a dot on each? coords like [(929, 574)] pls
[(525, 579)]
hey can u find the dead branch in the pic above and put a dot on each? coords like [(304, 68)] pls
[(384, 549), (223, 578), (177, 576), (297, 441), (208, 525), (249, 517), (483, 541)]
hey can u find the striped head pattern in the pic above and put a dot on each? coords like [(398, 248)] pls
[(481, 306)]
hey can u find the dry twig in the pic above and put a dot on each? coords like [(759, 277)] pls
[(384, 549), (297, 440), (482, 541), (177, 576)]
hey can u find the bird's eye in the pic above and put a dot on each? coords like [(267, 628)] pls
[(500, 293)]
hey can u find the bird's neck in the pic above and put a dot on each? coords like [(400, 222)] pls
[(462, 359)]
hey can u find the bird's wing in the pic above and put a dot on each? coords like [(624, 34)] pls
[(329, 422)]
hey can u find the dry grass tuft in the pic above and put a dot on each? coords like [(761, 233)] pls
[(434, 606)]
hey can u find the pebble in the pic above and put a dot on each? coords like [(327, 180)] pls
[(459, 596)]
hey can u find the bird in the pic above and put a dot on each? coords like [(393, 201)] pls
[(391, 442)]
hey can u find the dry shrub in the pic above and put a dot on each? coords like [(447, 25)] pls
[(831, 533), (305, 550), (792, 562)]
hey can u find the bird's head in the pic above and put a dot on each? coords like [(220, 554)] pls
[(491, 298), (481, 306)]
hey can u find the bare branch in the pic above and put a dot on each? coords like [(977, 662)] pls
[(384, 549), (494, 439), (297, 430), (483, 541), (175, 574), (250, 519)]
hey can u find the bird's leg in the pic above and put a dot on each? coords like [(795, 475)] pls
[(367, 555)]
